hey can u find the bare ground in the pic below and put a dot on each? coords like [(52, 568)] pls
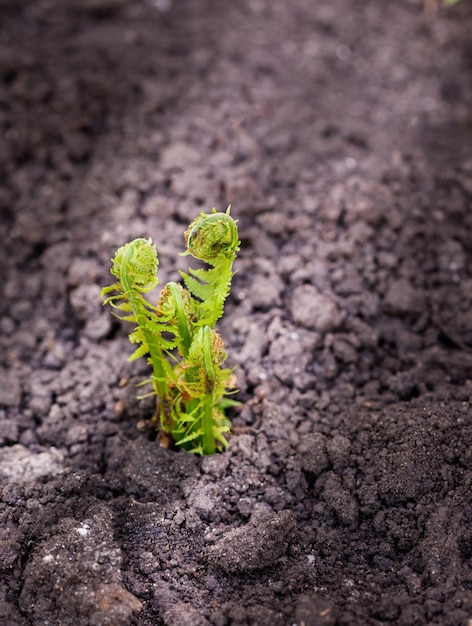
[(341, 133)]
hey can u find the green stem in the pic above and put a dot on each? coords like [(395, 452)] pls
[(184, 331), (209, 446), (208, 438)]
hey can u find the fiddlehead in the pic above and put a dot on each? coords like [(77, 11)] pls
[(135, 265), (176, 307), (212, 238)]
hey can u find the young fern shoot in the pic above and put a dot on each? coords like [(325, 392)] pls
[(178, 335)]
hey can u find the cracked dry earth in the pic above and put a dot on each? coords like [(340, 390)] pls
[(341, 134)]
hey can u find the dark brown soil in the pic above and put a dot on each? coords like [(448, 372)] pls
[(341, 133)]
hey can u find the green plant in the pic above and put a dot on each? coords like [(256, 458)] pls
[(178, 334)]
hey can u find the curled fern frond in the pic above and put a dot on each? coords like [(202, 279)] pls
[(135, 265), (213, 238), (177, 335)]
